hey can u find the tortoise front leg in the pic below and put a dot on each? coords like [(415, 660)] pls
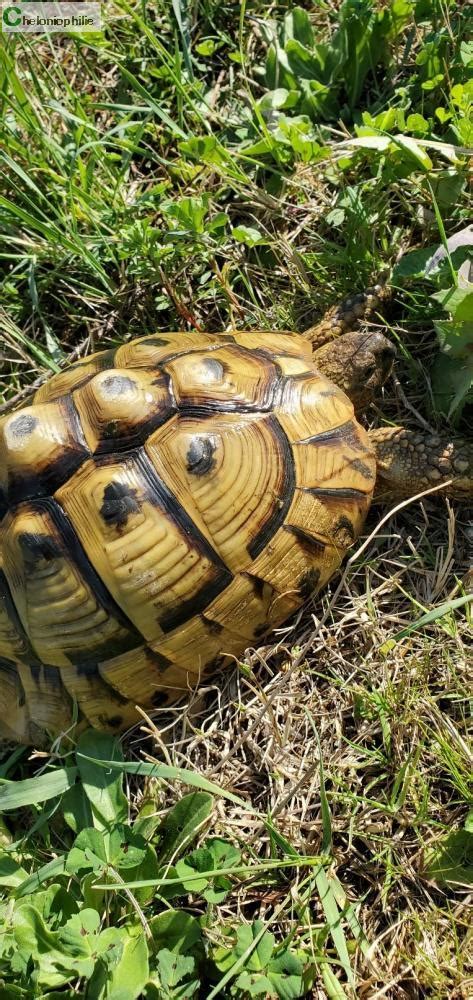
[(409, 462), (346, 316)]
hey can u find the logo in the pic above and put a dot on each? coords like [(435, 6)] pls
[(11, 16), (44, 18)]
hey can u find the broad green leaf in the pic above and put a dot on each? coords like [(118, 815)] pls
[(31, 931), (252, 942), (254, 984), (285, 975), (11, 872), (76, 808), (451, 860), (188, 214), (458, 302), (147, 820), (297, 25), (275, 100), (413, 264), (122, 969), (60, 956), (215, 854), (95, 849), (204, 149), (176, 930), (452, 383), (89, 852), (455, 338), (250, 235), (303, 62), (183, 823), (148, 868), (102, 786), (262, 969), (174, 974), (451, 374)]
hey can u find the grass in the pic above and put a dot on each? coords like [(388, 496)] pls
[(192, 167)]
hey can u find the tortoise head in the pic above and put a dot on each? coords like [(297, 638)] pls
[(359, 363)]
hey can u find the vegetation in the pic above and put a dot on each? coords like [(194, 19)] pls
[(201, 166)]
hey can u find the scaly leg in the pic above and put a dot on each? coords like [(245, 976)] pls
[(347, 315), (409, 462)]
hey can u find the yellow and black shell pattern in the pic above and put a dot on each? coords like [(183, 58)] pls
[(161, 507)]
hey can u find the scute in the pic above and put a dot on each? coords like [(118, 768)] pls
[(236, 474), (40, 447), (119, 408), (165, 505), (228, 378)]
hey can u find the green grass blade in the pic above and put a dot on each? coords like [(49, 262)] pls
[(168, 773), (432, 616), (30, 791)]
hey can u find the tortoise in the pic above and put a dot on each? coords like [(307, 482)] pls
[(165, 504)]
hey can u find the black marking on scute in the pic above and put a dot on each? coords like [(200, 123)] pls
[(103, 651), (112, 721), (159, 698), (6, 599), (261, 630), (200, 456), (172, 618), (215, 628), (335, 494), (160, 495), (257, 583), (51, 675), (313, 545), (344, 434), (225, 341), (119, 500), (66, 537), (23, 425), (309, 582), (156, 341), (8, 666), (344, 531), (207, 411), (118, 384), (362, 468), (328, 393), (211, 667), (104, 359), (3, 504), (87, 668), (157, 660), (281, 504), (36, 548)]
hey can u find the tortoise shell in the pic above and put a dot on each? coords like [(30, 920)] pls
[(162, 506)]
